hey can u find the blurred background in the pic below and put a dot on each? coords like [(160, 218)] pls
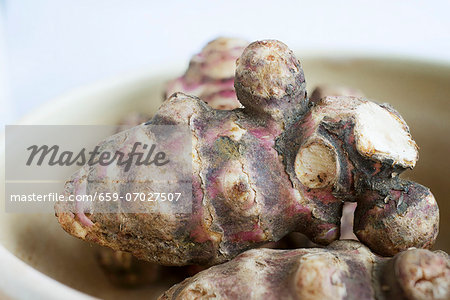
[(49, 47)]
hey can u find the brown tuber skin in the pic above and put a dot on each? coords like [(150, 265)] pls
[(256, 178), (343, 270)]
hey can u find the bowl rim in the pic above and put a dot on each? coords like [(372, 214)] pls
[(22, 281)]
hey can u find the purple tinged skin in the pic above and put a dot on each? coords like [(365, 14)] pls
[(280, 164), (398, 220), (343, 270)]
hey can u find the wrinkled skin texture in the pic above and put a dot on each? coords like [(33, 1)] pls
[(343, 270), (255, 178)]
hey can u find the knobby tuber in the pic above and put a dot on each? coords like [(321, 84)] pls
[(343, 270), (280, 164)]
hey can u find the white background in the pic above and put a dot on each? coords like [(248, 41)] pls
[(51, 46)]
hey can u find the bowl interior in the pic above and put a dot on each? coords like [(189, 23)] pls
[(419, 91)]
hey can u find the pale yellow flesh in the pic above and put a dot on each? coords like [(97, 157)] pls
[(315, 165), (381, 135)]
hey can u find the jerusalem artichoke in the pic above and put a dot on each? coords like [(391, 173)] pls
[(343, 270), (281, 164)]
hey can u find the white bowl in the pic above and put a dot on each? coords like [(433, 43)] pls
[(39, 260)]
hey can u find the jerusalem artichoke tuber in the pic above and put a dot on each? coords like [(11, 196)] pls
[(280, 164), (343, 270)]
